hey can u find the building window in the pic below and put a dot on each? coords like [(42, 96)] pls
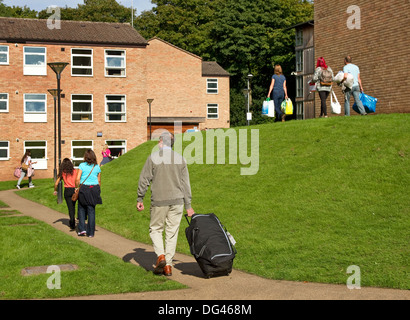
[(212, 111), (4, 54), (82, 107), (212, 86), (4, 102), (78, 149), (299, 87), (38, 151), (4, 150), (117, 147), (81, 62), (35, 107), (299, 110), (115, 63), (299, 37), (299, 60), (115, 107), (35, 61)]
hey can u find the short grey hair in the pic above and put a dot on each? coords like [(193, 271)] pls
[(167, 139)]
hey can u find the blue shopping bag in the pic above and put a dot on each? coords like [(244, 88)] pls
[(369, 103)]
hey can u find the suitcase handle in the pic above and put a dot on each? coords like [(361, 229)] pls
[(187, 220)]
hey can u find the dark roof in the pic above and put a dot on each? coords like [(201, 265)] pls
[(302, 24), (213, 69), (36, 30)]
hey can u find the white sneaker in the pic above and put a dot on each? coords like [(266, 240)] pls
[(18, 187), (31, 186)]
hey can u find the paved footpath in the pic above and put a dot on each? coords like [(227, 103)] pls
[(237, 286)]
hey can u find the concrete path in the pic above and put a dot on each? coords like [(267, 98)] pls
[(237, 286)]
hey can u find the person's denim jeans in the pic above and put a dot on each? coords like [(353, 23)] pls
[(356, 95), (89, 212), (23, 174)]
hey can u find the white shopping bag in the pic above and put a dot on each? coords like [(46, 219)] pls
[(335, 105), (268, 108)]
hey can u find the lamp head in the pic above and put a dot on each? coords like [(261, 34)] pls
[(53, 92), (57, 67)]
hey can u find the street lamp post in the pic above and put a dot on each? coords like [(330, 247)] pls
[(54, 93), (58, 68), (150, 131), (250, 76)]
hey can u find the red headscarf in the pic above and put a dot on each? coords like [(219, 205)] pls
[(321, 63)]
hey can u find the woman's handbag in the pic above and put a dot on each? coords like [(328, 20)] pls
[(17, 172), (335, 105), (76, 193)]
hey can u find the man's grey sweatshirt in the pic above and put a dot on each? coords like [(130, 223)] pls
[(167, 173)]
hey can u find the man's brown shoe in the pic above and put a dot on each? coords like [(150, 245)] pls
[(168, 270), (159, 267)]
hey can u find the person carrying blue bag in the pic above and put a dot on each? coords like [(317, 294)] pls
[(369, 103), (356, 89)]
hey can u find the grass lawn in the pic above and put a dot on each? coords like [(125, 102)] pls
[(27, 242), (329, 193)]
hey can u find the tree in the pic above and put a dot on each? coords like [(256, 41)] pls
[(94, 10), (184, 23), (242, 36), (252, 36), (16, 12)]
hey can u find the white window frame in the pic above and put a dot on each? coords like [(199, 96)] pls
[(123, 145), (88, 144), (123, 113), (37, 69), (6, 100), (41, 163), (6, 53), (212, 90), (35, 116), (212, 105), (7, 148), (107, 67), (82, 112), (74, 67)]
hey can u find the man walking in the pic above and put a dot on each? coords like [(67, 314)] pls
[(356, 88), (170, 191)]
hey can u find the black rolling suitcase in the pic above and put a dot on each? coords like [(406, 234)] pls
[(210, 244)]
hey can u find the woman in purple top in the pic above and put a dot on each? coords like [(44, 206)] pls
[(278, 92)]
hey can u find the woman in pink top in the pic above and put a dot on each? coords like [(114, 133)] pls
[(106, 153), (68, 174)]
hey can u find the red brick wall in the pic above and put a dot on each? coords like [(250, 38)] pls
[(380, 48), (176, 84), (12, 125)]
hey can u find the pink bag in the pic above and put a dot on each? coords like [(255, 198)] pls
[(17, 172), (30, 171)]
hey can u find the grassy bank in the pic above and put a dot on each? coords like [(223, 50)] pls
[(26, 242), (329, 193)]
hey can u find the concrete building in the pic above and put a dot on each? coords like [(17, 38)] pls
[(112, 72)]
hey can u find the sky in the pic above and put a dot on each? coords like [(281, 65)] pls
[(38, 5)]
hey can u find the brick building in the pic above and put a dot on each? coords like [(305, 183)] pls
[(112, 72), (375, 34)]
